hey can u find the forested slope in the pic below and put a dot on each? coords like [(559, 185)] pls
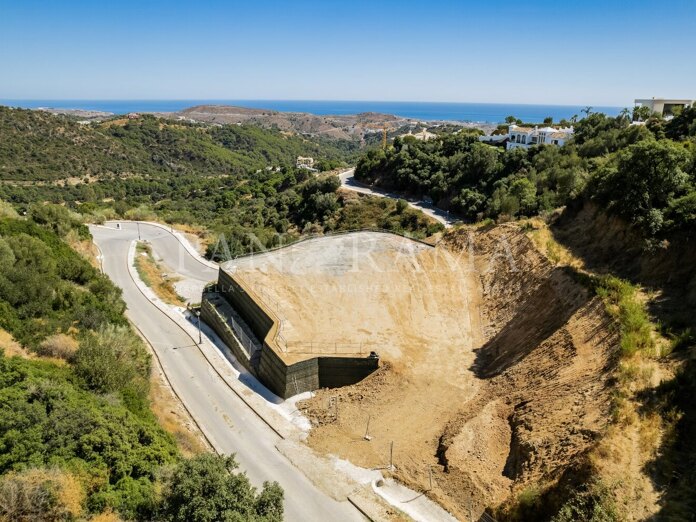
[(238, 181), (77, 436), (644, 173)]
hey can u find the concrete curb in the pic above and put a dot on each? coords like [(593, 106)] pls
[(207, 440), (183, 241), (276, 425)]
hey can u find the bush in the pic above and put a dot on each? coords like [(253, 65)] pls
[(40, 494), (60, 346), (7, 210), (401, 205), (208, 488), (590, 503), (111, 359), (46, 419), (623, 303)]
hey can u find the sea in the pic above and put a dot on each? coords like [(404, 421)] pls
[(425, 111)]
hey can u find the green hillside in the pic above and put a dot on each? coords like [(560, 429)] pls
[(38, 146), (77, 436)]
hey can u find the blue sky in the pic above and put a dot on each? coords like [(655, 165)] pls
[(556, 52)]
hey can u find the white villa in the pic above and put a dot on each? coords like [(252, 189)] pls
[(527, 136), (305, 162), (663, 106)]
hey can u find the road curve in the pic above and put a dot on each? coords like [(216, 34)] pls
[(230, 425), (349, 182)]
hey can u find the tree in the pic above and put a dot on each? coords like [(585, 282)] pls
[(682, 125), (208, 488), (646, 179), (28, 284), (548, 120), (525, 193), (641, 113)]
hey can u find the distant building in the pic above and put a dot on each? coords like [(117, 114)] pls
[(305, 163), (423, 135), (528, 136), (663, 106), (494, 139), (133, 116)]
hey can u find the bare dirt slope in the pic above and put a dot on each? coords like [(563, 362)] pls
[(342, 127), (522, 402)]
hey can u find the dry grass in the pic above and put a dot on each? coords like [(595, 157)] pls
[(152, 274), (173, 417), (107, 516), (538, 231), (59, 346), (12, 347), (85, 247), (198, 236), (40, 494)]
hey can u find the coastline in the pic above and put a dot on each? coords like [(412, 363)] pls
[(441, 112)]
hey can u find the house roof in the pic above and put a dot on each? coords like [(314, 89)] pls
[(515, 128)]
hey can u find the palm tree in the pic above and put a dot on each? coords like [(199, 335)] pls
[(587, 110)]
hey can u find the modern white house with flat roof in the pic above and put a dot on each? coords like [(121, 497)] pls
[(663, 106), (526, 137)]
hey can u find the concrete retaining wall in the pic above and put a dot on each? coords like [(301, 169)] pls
[(259, 320), (287, 380), (343, 371), (219, 324), (318, 372), (281, 378)]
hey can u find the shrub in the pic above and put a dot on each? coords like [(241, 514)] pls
[(401, 205), (40, 494), (623, 303), (7, 210), (591, 503), (61, 346), (111, 359), (208, 488)]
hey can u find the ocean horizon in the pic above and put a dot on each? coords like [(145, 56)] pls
[(426, 111)]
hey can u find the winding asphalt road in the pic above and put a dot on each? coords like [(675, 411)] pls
[(349, 182), (230, 425)]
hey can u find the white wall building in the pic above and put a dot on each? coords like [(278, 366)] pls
[(528, 136), (663, 106), (304, 162)]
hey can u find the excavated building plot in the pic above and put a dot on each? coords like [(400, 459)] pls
[(366, 291), (494, 363)]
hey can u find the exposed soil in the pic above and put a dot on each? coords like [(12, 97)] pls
[(415, 305), (523, 394)]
